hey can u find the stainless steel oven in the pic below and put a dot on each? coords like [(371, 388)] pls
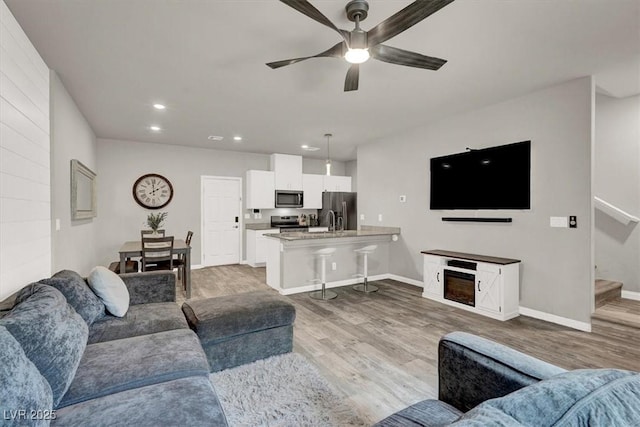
[(289, 199)]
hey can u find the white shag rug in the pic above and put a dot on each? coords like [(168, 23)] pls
[(281, 391)]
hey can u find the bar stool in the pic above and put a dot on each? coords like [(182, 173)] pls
[(365, 287), (323, 294)]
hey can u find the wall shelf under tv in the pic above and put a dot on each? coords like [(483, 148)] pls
[(475, 219)]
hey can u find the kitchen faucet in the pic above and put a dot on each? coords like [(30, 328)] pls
[(332, 220)]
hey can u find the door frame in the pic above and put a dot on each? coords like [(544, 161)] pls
[(240, 215)]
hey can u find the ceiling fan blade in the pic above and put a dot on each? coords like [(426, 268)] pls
[(336, 51), (393, 55), (306, 8), (406, 18), (351, 82)]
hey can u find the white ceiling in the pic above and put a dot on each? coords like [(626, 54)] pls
[(205, 60)]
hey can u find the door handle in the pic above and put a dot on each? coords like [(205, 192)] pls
[(438, 277), (479, 290), (236, 219)]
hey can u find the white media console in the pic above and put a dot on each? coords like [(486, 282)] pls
[(483, 284)]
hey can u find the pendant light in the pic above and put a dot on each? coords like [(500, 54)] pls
[(328, 165)]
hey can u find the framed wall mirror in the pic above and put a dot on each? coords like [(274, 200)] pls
[(83, 191)]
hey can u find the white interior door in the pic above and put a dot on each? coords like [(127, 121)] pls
[(221, 219)]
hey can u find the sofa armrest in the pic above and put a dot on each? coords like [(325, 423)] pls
[(150, 287), (472, 369)]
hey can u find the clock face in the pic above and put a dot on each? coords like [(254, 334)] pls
[(152, 191)]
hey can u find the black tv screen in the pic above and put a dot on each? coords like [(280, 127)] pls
[(490, 178)]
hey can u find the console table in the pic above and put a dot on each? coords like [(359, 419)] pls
[(482, 284)]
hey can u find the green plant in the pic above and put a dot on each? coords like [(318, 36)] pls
[(155, 221)]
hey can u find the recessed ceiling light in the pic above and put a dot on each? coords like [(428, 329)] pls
[(306, 147), (155, 128), (159, 106), (215, 138), (237, 138)]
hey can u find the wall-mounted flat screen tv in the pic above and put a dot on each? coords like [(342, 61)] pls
[(490, 178)]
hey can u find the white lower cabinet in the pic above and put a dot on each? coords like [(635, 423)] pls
[(256, 245), (448, 279)]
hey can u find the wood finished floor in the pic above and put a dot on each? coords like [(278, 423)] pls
[(380, 349)]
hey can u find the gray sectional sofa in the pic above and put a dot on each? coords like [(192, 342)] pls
[(65, 361), (483, 383)]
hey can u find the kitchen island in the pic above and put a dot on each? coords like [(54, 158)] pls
[(292, 266)]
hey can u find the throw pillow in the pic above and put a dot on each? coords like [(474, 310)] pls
[(78, 294), (51, 334), (110, 289)]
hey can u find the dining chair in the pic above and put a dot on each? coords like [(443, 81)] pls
[(181, 263), (157, 253)]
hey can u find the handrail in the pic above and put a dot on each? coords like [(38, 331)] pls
[(614, 212)]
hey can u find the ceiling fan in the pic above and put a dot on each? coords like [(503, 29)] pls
[(359, 45)]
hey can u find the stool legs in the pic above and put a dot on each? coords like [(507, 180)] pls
[(323, 294), (365, 287)]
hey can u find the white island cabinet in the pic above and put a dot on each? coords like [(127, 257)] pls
[(483, 284)]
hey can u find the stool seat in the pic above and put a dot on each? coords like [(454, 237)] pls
[(323, 293), (365, 252), (367, 249), (325, 252)]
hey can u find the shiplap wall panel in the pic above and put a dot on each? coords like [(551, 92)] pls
[(25, 165)]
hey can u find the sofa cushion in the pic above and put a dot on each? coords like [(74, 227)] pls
[(23, 387), (428, 413), (182, 402), (51, 333), (114, 366), (78, 294), (140, 320), (580, 397), (110, 289)]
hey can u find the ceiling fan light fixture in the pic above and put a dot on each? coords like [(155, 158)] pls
[(357, 56)]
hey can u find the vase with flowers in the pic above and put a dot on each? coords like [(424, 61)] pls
[(155, 221)]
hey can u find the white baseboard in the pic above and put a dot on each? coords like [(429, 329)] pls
[(197, 267), (414, 282), (631, 295), (581, 326)]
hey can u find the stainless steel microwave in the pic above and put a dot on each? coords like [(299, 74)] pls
[(289, 199)]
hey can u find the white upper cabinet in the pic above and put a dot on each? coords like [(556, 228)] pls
[(260, 190), (312, 186), (337, 183), (288, 171)]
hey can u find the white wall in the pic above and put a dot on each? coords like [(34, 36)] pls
[(617, 180), (120, 163), (71, 138), (556, 272), (25, 234)]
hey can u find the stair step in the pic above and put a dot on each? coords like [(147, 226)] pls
[(606, 291), (621, 311)]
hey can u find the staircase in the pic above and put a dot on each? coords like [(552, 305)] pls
[(612, 311)]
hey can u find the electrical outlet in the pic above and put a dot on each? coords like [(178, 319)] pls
[(573, 221), (361, 217), (379, 217), (403, 199), (334, 266), (247, 216)]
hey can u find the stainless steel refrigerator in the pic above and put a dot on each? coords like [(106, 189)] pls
[(344, 205)]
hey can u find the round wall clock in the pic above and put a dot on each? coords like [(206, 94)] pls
[(152, 191)]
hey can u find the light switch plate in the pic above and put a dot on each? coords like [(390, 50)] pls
[(57, 224), (559, 221), (361, 217), (379, 217), (403, 198), (247, 216)]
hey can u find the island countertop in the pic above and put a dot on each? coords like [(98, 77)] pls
[(292, 236)]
